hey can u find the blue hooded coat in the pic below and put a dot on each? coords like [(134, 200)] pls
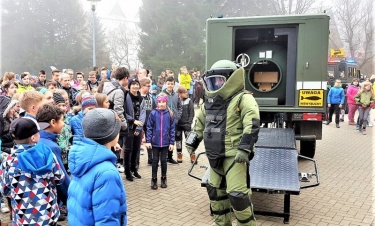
[(76, 124), (96, 193), (160, 128)]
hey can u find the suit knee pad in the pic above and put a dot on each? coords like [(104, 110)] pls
[(212, 194), (239, 200)]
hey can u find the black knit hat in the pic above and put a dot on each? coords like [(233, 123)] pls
[(131, 80), (58, 98), (101, 125)]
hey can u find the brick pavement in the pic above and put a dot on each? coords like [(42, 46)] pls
[(344, 197)]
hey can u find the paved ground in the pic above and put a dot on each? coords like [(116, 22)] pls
[(345, 196)]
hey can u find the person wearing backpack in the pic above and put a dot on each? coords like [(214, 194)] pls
[(116, 92)]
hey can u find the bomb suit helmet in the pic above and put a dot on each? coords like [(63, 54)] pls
[(215, 78), (224, 78)]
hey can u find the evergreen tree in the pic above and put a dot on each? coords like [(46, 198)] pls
[(173, 34), (37, 34)]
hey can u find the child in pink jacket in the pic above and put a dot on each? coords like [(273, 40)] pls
[(352, 90)]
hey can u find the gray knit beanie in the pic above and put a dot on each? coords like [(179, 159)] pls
[(101, 125)]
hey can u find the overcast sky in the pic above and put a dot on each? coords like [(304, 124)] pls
[(105, 7)]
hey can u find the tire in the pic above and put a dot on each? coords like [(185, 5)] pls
[(307, 148)]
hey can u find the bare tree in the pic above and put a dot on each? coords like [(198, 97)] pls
[(284, 7), (355, 19), (122, 43)]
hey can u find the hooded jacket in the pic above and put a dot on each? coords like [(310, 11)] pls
[(364, 98), (336, 95), (185, 80), (174, 104), (76, 124), (32, 172), (130, 117), (22, 88), (160, 128), (96, 190), (50, 140), (116, 94), (187, 115), (351, 92)]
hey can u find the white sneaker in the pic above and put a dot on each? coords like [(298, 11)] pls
[(369, 125), (142, 151), (4, 209), (120, 168)]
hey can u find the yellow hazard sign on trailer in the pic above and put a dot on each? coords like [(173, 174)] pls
[(310, 98), (337, 53)]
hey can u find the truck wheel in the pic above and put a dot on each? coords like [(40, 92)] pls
[(307, 148)]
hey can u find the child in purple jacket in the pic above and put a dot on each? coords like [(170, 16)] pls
[(160, 137)]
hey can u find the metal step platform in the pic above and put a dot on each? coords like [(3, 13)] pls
[(274, 168), (276, 138)]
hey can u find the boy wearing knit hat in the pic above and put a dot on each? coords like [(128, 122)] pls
[(96, 181), (59, 101), (88, 103)]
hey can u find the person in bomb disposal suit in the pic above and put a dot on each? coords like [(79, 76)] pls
[(228, 123)]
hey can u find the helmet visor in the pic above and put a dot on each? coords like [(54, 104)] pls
[(214, 82)]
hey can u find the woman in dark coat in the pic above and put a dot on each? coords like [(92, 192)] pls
[(198, 90)]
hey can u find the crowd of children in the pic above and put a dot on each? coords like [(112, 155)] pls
[(359, 97), (84, 134)]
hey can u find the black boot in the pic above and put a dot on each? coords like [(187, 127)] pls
[(136, 174), (163, 183), (128, 175), (154, 183)]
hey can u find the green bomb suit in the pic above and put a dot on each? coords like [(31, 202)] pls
[(238, 114)]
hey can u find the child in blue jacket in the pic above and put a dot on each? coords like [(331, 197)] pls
[(335, 100), (96, 193), (160, 137)]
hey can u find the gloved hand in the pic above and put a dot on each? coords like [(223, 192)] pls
[(242, 156), (191, 150)]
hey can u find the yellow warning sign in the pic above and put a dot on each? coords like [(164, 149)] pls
[(337, 53), (310, 98)]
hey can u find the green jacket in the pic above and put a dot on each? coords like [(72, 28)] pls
[(363, 98), (243, 120), (22, 88)]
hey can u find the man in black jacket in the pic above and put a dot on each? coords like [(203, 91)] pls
[(65, 84), (41, 79)]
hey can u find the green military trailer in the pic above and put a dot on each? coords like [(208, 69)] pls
[(285, 61)]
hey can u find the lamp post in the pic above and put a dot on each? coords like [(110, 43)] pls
[(93, 7)]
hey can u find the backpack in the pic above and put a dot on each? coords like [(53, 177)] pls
[(111, 102)]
